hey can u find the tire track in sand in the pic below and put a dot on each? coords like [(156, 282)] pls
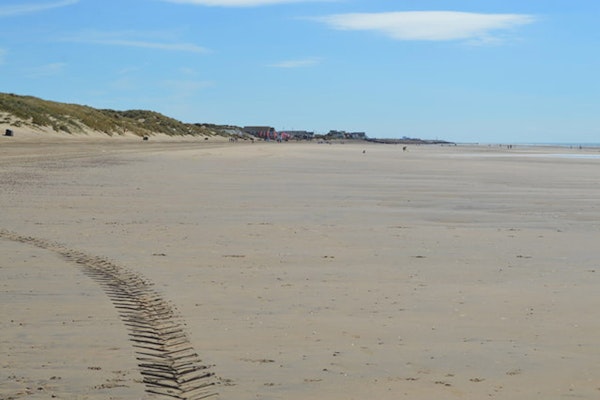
[(167, 361)]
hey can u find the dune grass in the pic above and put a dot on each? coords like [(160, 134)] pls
[(74, 119)]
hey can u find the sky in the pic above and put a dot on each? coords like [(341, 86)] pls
[(486, 71)]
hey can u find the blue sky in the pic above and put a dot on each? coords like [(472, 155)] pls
[(492, 71)]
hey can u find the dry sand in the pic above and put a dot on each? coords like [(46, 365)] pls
[(303, 271)]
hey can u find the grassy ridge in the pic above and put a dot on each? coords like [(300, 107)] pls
[(73, 118)]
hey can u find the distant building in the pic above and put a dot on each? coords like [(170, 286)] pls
[(264, 132), (346, 135), (335, 134), (356, 135), (297, 135)]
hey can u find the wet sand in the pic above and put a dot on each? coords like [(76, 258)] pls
[(305, 270)]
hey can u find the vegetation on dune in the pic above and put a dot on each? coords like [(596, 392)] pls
[(73, 118)]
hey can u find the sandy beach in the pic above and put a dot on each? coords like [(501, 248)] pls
[(298, 270)]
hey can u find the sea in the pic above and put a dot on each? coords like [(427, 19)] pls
[(567, 145), (589, 150), (582, 146)]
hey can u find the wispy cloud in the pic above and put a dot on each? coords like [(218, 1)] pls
[(28, 8), (429, 25), (186, 88), (186, 84), (238, 3), (300, 63), (47, 70), (127, 39), (129, 70), (186, 47)]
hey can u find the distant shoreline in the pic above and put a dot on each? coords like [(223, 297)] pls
[(567, 145)]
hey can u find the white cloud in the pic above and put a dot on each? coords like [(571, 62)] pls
[(236, 3), (429, 25), (46, 70), (129, 40), (28, 8), (301, 63)]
